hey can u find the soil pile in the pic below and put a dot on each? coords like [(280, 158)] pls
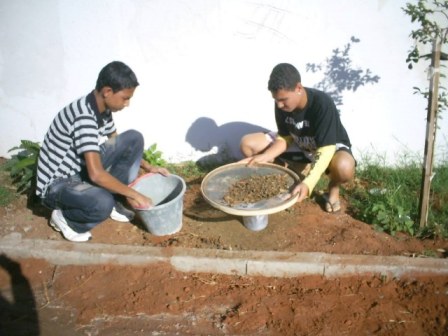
[(256, 188)]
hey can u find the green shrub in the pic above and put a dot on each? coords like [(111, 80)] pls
[(154, 156), (22, 165), (386, 210)]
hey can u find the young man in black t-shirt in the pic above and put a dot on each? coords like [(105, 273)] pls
[(308, 127)]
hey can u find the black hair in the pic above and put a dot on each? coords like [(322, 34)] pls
[(284, 76), (116, 75)]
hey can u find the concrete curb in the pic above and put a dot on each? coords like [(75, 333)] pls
[(254, 263)]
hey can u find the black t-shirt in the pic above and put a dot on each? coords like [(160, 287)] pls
[(317, 125)]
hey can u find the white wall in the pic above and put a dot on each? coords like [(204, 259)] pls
[(203, 66)]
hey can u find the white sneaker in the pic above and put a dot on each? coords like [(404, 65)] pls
[(59, 223), (121, 214), (115, 215)]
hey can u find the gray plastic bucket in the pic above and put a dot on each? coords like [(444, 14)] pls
[(255, 223), (167, 194)]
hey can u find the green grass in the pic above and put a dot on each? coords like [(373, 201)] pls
[(388, 197), (7, 190), (6, 196), (191, 170)]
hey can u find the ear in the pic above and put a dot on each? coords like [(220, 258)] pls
[(106, 92), (299, 89)]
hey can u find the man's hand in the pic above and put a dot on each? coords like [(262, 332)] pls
[(153, 169), (159, 170), (259, 158), (302, 190), (140, 202)]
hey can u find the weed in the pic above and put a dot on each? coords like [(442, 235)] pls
[(429, 253), (6, 196), (187, 169), (387, 197), (22, 165), (154, 156)]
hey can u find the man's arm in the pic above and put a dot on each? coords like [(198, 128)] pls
[(102, 178), (323, 158), (274, 150)]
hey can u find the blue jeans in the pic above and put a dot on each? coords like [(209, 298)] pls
[(85, 205)]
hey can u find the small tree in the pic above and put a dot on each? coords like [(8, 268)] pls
[(433, 29)]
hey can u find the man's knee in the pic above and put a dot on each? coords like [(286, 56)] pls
[(254, 143), (133, 137), (343, 173), (101, 205), (342, 167), (245, 145), (346, 173)]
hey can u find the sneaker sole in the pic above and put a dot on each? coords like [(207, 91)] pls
[(115, 215), (56, 228), (122, 219)]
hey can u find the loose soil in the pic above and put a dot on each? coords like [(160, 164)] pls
[(39, 298), (256, 188)]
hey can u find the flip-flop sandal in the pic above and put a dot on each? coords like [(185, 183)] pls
[(331, 207)]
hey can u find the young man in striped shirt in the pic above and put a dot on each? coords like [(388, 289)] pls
[(84, 166)]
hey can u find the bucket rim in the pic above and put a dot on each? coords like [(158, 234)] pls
[(149, 174), (133, 183), (160, 206)]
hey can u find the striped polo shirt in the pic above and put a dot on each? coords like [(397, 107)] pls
[(76, 129)]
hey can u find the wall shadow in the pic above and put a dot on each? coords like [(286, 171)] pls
[(19, 315), (204, 134), (339, 73)]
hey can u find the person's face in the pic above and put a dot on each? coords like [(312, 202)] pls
[(118, 100), (288, 100)]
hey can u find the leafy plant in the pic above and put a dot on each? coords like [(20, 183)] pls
[(430, 27), (22, 165), (384, 209), (387, 196), (390, 216), (154, 156), (433, 20)]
